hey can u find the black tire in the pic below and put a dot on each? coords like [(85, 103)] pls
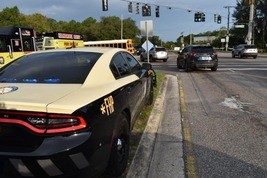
[(213, 68), (152, 59), (187, 67), (178, 64), (141, 58), (233, 55), (164, 60), (120, 148), (151, 94), (240, 55), (254, 57)]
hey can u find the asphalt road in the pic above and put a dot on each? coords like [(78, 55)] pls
[(222, 126), (227, 115)]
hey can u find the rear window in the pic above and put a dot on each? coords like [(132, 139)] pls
[(250, 47), (203, 49), (53, 67), (160, 49)]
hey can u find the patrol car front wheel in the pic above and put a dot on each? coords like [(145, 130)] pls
[(120, 148)]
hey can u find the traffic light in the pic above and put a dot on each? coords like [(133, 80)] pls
[(104, 5), (157, 11), (203, 17), (146, 10), (215, 17), (198, 17), (219, 19), (137, 8), (130, 7)]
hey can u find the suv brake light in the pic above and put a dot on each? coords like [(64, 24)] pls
[(43, 123), (192, 54)]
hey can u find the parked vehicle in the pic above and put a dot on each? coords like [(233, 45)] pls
[(68, 111), (244, 50), (197, 56), (156, 53)]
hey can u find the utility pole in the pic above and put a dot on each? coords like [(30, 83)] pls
[(228, 27), (121, 26), (250, 24)]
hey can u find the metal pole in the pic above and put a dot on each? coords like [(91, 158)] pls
[(250, 24), (147, 52), (228, 27), (121, 26)]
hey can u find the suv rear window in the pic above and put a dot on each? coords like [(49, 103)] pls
[(203, 49), (160, 49), (250, 46)]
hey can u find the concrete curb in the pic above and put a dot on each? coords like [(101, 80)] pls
[(141, 161)]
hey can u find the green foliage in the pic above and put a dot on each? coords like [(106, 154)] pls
[(90, 28), (11, 16), (241, 15)]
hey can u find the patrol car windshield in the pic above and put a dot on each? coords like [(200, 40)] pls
[(53, 67)]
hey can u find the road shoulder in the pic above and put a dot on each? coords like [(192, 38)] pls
[(159, 153)]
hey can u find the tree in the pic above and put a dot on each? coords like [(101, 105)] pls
[(90, 29), (241, 16), (108, 27), (39, 22), (11, 16)]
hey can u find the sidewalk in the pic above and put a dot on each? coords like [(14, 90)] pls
[(160, 151)]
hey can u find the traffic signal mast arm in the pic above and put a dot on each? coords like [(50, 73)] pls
[(146, 10)]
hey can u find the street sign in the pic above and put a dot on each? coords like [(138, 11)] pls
[(147, 45), (239, 26), (146, 28)]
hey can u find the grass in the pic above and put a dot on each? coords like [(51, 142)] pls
[(141, 122)]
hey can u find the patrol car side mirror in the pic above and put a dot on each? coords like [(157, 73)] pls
[(146, 66)]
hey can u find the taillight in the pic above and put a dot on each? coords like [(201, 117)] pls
[(192, 54), (43, 123)]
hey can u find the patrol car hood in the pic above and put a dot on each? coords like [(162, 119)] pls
[(33, 97)]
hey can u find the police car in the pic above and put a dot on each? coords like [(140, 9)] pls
[(67, 111)]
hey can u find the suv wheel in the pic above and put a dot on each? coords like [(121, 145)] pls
[(141, 58), (240, 55), (233, 55), (213, 68), (152, 59), (187, 67)]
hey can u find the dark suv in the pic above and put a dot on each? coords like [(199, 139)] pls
[(244, 50), (197, 56)]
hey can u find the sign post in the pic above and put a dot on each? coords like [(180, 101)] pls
[(146, 30)]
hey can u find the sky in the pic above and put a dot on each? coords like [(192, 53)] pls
[(176, 16)]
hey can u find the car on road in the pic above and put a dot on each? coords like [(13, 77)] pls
[(197, 56), (244, 50), (66, 111), (156, 53)]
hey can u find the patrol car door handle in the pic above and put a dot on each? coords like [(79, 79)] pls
[(129, 89)]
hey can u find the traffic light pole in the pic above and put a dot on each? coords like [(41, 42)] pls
[(250, 24), (228, 27)]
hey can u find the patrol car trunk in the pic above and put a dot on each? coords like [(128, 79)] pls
[(15, 135)]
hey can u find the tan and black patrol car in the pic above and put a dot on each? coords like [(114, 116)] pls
[(69, 110)]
